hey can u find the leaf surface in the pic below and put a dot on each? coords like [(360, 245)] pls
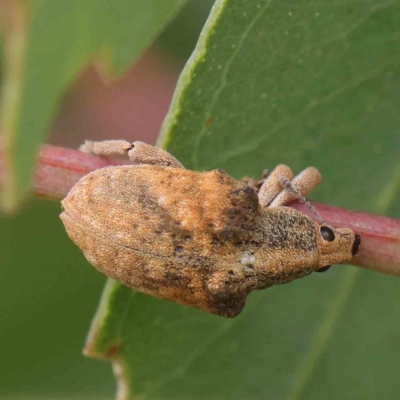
[(297, 82), (48, 43)]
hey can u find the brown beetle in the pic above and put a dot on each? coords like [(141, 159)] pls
[(202, 239)]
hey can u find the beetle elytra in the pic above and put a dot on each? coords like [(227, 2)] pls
[(202, 239)]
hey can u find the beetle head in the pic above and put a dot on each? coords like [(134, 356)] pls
[(336, 246)]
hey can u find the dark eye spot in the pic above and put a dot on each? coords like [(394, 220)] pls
[(327, 234), (323, 269)]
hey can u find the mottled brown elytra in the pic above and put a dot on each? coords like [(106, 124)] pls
[(202, 239)]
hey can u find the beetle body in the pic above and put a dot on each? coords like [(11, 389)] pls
[(201, 239)]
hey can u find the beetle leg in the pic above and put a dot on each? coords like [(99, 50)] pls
[(296, 188), (271, 186), (137, 152), (256, 184), (228, 287)]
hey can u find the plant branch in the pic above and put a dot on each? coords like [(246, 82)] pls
[(58, 169)]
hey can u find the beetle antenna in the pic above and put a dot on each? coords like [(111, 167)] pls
[(287, 184)]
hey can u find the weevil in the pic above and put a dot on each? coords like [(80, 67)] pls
[(201, 239)]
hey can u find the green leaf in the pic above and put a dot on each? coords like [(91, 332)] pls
[(47, 296), (303, 83), (47, 45)]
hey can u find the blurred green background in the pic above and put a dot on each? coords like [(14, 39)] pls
[(48, 292), (330, 336)]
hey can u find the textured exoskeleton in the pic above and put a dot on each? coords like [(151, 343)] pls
[(202, 239)]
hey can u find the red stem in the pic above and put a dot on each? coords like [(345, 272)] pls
[(59, 169)]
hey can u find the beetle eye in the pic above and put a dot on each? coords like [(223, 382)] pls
[(323, 269), (327, 234)]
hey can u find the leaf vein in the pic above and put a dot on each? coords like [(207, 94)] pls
[(223, 82)]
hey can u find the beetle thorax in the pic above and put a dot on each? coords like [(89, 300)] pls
[(290, 248)]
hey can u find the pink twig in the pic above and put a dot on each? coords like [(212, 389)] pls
[(58, 169)]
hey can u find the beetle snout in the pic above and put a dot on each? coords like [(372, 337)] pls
[(356, 244)]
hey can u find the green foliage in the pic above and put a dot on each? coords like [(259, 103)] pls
[(47, 296), (304, 83), (300, 82), (53, 41)]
